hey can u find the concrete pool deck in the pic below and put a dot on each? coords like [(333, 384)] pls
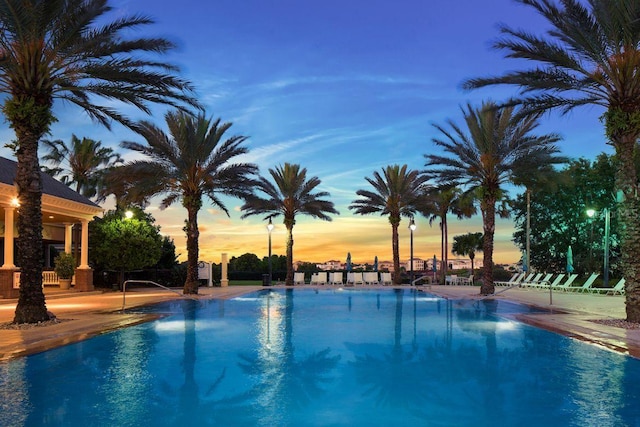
[(86, 314)]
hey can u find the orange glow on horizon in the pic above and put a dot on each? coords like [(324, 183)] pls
[(365, 237)]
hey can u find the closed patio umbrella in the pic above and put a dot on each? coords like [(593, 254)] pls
[(348, 267), (569, 260), (375, 263), (525, 262)]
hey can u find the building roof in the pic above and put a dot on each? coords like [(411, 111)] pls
[(50, 185)]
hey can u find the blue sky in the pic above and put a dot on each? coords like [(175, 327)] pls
[(343, 88)]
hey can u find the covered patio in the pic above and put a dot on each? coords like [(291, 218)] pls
[(62, 210)]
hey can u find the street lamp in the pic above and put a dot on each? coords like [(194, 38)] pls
[(412, 227), (607, 226), (270, 229)]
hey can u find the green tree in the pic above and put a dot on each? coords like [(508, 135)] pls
[(559, 219), (245, 262), (168, 258), (398, 192), (441, 201), (125, 244), (483, 159), (467, 245), (82, 163), (292, 194), (590, 56), (193, 162), (74, 51)]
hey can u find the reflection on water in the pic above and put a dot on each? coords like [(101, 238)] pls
[(331, 357)]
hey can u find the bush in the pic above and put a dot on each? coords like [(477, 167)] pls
[(65, 265)]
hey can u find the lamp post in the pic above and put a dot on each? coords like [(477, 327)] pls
[(412, 227), (270, 229), (607, 226)]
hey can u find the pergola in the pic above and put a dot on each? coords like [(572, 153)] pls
[(62, 208)]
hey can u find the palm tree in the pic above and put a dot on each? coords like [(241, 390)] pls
[(483, 160), (192, 162), (83, 162), (397, 192), (591, 57), (292, 194), (55, 49), (443, 200), (467, 245)]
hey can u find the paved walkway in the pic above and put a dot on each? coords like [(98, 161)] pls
[(89, 314)]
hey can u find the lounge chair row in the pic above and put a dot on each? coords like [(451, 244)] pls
[(561, 282), (337, 278)]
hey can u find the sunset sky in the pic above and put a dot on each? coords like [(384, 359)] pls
[(344, 88)]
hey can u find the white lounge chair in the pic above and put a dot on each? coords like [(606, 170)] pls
[(298, 278), (336, 278), (322, 278), (385, 278), (567, 283), (539, 281), (465, 280), (587, 284), (371, 278), (532, 281), (618, 289), (350, 279), (319, 278), (515, 279), (357, 279), (547, 282), (451, 279)]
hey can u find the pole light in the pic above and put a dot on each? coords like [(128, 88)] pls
[(607, 226), (412, 227), (270, 229)]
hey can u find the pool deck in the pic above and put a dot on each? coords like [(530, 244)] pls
[(86, 314)]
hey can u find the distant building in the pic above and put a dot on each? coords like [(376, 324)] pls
[(418, 264), (331, 265)]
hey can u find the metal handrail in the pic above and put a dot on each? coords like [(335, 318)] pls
[(124, 290), (420, 278)]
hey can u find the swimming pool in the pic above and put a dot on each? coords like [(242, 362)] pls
[(325, 358)]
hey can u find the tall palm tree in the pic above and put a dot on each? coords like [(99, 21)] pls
[(57, 49), (193, 162), (83, 162), (590, 56), (443, 200), (398, 192), (483, 160), (291, 194), (467, 245)]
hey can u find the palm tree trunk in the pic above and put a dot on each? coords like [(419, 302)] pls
[(395, 249), (445, 247), (289, 279), (31, 307), (628, 214), (439, 268), (193, 234), (472, 258), (488, 209)]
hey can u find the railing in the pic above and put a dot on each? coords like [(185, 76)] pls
[(48, 278), (422, 278), (149, 282)]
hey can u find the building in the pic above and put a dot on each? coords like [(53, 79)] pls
[(331, 265), (62, 209)]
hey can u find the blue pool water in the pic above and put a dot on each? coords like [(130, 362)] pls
[(325, 358)]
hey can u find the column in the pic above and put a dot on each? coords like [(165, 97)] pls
[(84, 246), (8, 238), (68, 236), (224, 281)]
